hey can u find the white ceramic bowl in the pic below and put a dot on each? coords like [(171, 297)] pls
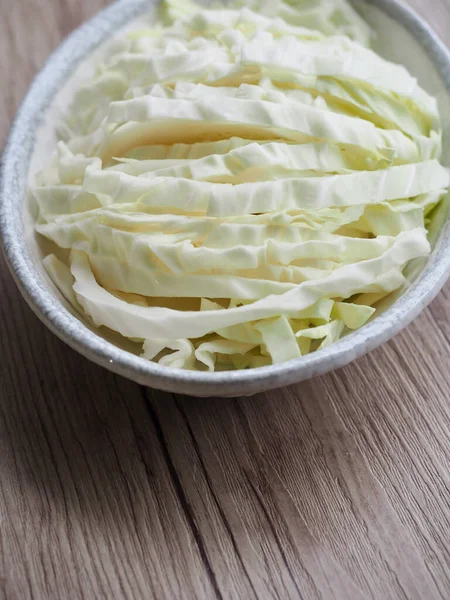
[(402, 37)]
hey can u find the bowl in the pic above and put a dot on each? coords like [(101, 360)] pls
[(402, 36)]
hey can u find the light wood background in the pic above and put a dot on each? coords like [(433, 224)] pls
[(335, 489)]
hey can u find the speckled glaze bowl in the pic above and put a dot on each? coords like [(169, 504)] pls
[(402, 37)]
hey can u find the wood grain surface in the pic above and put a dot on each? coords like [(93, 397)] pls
[(338, 488)]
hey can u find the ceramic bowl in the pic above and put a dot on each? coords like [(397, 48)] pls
[(402, 36)]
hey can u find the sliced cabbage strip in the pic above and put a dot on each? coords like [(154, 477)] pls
[(382, 274)]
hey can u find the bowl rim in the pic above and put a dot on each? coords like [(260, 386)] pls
[(48, 307)]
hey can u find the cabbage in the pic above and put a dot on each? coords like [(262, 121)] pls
[(238, 187), (293, 194), (200, 114), (329, 17), (383, 273)]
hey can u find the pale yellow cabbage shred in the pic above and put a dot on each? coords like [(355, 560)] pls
[(240, 186)]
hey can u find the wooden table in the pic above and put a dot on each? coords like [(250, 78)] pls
[(338, 488)]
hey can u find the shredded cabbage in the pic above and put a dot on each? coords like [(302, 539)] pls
[(238, 187)]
